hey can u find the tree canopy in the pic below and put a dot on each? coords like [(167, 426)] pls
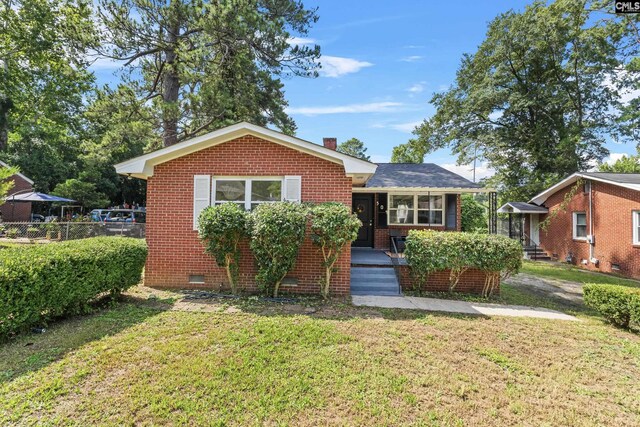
[(540, 97), (354, 147)]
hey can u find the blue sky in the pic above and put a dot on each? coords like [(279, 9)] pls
[(382, 61)]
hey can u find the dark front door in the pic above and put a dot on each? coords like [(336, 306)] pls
[(363, 207)]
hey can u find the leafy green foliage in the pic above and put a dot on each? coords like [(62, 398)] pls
[(204, 65), (333, 227), (539, 97), (474, 215), (428, 251), (618, 304), (43, 47), (41, 282), (625, 164), (221, 228), (277, 232), (6, 183), (354, 147), (84, 193), (410, 152)]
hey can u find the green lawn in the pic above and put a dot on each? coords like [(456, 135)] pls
[(255, 364), (573, 274)]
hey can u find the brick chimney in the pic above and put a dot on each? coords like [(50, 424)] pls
[(330, 143)]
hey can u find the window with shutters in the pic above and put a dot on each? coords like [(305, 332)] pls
[(636, 227), (247, 192)]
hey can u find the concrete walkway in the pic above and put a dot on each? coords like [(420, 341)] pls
[(464, 307)]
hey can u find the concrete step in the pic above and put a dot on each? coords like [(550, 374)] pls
[(384, 272), (377, 293)]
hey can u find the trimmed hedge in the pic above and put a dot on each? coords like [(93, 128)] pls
[(40, 282), (620, 305), (428, 251)]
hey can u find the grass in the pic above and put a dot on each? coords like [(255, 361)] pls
[(259, 364), (573, 274)]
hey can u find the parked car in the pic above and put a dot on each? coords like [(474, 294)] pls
[(125, 222), (37, 218), (98, 215)]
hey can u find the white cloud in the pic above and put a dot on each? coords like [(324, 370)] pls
[(412, 58), (301, 41), (102, 63), (482, 170), (406, 127), (336, 66), (416, 88), (380, 158), (371, 107), (614, 157), (413, 46)]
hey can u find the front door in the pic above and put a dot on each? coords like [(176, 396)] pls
[(363, 207), (534, 228)]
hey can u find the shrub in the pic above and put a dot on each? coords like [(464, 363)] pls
[(618, 304), (277, 232), (221, 228), (333, 226), (429, 251), (40, 282), (12, 233), (473, 215)]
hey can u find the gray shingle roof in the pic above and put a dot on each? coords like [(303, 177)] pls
[(426, 175), (522, 207), (622, 178)]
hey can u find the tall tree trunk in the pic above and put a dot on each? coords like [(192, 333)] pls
[(171, 86)]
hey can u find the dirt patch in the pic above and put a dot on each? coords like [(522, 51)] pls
[(568, 292)]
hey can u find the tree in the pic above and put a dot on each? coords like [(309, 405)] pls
[(221, 228), (409, 152), (43, 82), (6, 183), (473, 214), (353, 147), (537, 101), (625, 164), (333, 227), (203, 65), (82, 192)]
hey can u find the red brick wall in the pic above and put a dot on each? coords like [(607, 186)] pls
[(612, 227), (471, 281), (19, 212), (381, 235), (175, 251)]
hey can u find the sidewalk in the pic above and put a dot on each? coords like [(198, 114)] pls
[(464, 307)]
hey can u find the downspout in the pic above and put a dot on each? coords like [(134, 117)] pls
[(592, 240)]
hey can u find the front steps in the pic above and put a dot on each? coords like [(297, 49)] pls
[(535, 254), (374, 281)]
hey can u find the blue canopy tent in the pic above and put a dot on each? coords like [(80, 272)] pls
[(33, 196)]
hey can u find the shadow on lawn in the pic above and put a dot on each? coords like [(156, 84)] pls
[(30, 352)]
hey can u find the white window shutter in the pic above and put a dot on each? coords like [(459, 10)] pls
[(293, 189), (201, 196)]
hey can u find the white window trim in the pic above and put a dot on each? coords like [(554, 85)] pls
[(247, 188), (415, 210), (574, 225), (636, 225)]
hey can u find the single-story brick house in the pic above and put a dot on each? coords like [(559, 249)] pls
[(598, 228), (21, 211), (249, 164)]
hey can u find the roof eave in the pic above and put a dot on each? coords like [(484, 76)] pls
[(142, 166), (422, 189)]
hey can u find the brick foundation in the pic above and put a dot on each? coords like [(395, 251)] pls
[(471, 282)]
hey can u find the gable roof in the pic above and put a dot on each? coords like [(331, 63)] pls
[(142, 166), (625, 180), (521, 207), (417, 176), (3, 164)]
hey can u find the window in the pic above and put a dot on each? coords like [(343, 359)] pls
[(416, 209), (636, 227), (248, 193), (580, 225)]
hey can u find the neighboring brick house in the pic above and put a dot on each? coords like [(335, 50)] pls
[(598, 228), (18, 211), (249, 164)]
